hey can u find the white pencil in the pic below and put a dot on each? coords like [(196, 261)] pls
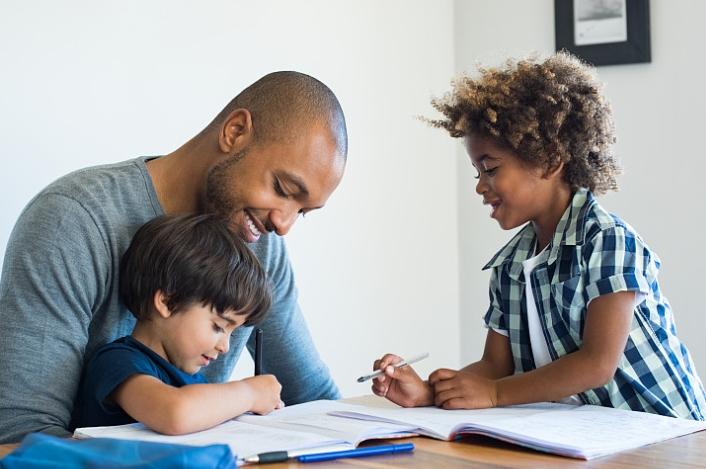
[(377, 373)]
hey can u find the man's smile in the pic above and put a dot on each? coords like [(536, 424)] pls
[(251, 227)]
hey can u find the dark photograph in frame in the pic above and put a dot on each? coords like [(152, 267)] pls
[(604, 32)]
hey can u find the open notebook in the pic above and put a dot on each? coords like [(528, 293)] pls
[(583, 432), (576, 431), (302, 429)]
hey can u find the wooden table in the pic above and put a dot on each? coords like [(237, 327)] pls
[(477, 451)]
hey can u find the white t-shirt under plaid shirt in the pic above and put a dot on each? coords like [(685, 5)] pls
[(594, 253)]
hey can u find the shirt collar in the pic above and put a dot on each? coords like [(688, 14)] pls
[(570, 231)]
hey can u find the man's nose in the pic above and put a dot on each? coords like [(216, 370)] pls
[(282, 221)]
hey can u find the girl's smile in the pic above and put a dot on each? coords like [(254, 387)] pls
[(516, 191)]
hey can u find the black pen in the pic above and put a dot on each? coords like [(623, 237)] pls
[(258, 351)]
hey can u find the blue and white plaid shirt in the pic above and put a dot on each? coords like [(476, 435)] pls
[(594, 253)]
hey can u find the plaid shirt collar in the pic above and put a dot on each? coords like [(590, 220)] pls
[(570, 231)]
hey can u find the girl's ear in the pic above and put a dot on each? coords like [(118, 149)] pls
[(160, 304), (554, 171), (556, 167)]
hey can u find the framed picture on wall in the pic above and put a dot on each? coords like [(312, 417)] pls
[(604, 32)]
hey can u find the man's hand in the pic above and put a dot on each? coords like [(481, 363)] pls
[(462, 390), (403, 386)]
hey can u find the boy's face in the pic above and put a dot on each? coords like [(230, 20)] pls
[(194, 337), (515, 192)]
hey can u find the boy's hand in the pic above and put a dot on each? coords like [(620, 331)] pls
[(403, 386), (265, 392), (462, 390)]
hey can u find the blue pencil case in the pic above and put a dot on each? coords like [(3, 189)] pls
[(43, 451)]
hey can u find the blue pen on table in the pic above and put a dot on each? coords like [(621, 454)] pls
[(377, 373), (281, 456), (358, 452)]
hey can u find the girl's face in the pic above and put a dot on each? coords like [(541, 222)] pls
[(516, 192)]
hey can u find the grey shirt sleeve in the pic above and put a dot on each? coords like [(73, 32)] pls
[(52, 280), (288, 350)]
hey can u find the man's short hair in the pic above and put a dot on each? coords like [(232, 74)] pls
[(192, 259), (280, 102)]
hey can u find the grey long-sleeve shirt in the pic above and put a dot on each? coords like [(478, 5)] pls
[(59, 300)]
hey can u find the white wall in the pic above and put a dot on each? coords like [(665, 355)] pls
[(95, 82), (87, 82), (658, 111)]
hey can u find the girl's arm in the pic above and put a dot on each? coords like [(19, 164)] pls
[(606, 331), (175, 411), (497, 361)]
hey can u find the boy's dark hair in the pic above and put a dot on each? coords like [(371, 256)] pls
[(547, 111), (192, 259)]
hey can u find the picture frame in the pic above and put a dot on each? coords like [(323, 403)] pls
[(604, 32)]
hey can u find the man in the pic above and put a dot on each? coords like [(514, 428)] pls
[(276, 151)]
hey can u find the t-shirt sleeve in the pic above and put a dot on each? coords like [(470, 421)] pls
[(495, 318), (109, 368), (616, 260)]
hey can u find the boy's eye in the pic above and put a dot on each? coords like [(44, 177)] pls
[(218, 328)]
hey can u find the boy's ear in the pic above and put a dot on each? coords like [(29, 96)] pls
[(160, 304)]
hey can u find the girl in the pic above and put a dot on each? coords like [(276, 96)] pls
[(576, 312)]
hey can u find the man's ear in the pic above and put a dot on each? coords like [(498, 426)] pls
[(236, 131), (160, 304)]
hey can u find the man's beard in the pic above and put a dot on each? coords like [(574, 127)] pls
[(217, 199)]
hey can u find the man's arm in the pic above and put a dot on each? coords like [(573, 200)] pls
[(55, 273), (288, 350)]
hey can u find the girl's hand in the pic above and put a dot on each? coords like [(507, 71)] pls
[(403, 386), (462, 390)]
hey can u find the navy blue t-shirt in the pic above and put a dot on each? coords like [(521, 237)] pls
[(109, 367)]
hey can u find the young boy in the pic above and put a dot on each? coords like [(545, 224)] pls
[(576, 313), (190, 283)]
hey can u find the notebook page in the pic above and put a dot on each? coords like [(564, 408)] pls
[(577, 431), (314, 417), (591, 431), (243, 438), (441, 423), (300, 427)]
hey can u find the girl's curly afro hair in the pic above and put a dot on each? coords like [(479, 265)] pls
[(547, 111)]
